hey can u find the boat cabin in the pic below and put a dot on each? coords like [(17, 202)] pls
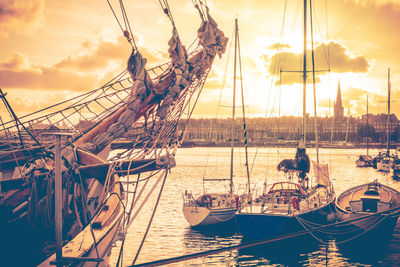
[(218, 200), (286, 189), (369, 202)]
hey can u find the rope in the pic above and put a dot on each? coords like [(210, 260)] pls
[(255, 243), (198, 6), (128, 34), (143, 202), (167, 11), (152, 216), (133, 204)]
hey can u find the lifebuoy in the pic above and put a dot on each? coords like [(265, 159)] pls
[(206, 200), (295, 203)]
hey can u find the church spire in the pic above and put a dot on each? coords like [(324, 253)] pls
[(338, 107)]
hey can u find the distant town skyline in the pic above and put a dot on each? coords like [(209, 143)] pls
[(52, 50)]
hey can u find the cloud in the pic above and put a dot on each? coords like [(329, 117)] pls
[(376, 2), (104, 52), (47, 78), (279, 46), (82, 72), (100, 57), (20, 16), (17, 62), (19, 72), (331, 56)]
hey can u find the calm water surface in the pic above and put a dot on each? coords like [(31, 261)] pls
[(170, 235)]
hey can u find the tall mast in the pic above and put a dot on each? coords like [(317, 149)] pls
[(367, 126), (243, 112), (233, 107), (388, 115), (304, 71), (316, 140)]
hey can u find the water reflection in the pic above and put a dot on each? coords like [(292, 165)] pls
[(171, 236), (292, 252), (212, 236)]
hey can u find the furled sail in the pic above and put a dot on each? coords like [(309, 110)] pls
[(159, 95), (301, 163), (321, 173)]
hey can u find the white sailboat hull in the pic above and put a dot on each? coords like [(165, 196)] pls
[(395, 171), (198, 216), (383, 167), (362, 164)]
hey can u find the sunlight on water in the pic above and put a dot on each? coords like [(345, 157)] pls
[(171, 236)]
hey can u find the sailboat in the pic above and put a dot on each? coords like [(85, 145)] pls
[(66, 203), (215, 208), (384, 163), (365, 160), (290, 206)]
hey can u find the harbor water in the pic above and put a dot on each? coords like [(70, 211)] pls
[(171, 236)]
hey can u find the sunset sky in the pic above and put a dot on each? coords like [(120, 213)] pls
[(52, 50)]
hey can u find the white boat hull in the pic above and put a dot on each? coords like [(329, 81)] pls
[(395, 171), (383, 167), (362, 164), (198, 216)]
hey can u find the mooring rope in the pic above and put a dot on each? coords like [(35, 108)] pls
[(152, 216), (389, 212)]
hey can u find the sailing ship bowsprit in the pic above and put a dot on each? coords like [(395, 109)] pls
[(97, 187)]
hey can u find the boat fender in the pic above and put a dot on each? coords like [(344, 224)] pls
[(296, 204), (237, 202), (331, 217), (206, 200)]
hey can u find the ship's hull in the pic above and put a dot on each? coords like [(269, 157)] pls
[(395, 171), (263, 225), (366, 238), (363, 164), (383, 167), (367, 216), (200, 216)]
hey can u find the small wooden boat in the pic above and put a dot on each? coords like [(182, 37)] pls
[(385, 163), (371, 210), (364, 161)]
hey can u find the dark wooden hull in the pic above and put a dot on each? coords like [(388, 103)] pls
[(259, 226)]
